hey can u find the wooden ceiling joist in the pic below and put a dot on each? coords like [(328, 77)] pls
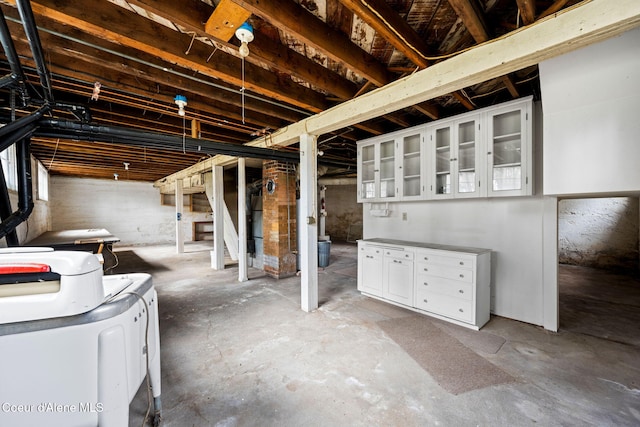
[(296, 20), (263, 49), (226, 18), (139, 33)]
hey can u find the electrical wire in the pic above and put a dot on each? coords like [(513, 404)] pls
[(242, 90), (54, 153), (115, 257)]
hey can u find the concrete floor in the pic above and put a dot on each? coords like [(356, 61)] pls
[(244, 354)]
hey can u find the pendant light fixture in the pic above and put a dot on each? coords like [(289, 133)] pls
[(244, 33)]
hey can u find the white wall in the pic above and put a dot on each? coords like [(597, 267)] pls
[(591, 99), (129, 210)]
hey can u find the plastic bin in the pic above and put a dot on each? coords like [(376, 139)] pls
[(324, 253)]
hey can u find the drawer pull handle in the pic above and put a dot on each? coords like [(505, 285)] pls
[(426, 258), (426, 284), (369, 256), (406, 255), (461, 310), (462, 276), (461, 262), (461, 291), (425, 300), (426, 269)]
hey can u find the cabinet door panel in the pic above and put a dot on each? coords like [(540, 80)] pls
[(370, 270), (398, 280), (509, 150)]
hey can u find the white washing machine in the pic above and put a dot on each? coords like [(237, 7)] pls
[(75, 346)]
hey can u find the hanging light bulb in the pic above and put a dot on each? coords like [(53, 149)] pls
[(181, 102), (244, 33), (244, 50)]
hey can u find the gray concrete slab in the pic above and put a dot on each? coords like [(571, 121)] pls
[(245, 354)]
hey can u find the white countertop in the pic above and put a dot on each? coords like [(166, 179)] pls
[(404, 243)]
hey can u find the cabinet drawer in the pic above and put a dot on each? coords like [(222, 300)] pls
[(452, 288), (453, 261), (371, 251), (444, 271), (444, 305), (398, 253)]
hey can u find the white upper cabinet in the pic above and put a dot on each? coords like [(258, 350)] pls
[(411, 184), (483, 153), (390, 167), (377, 170), (455, 158), (509, 149)]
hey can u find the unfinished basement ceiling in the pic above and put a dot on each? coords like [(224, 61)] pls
[(307, 56)]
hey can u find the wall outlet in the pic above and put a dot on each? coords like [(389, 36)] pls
[(404, 216)]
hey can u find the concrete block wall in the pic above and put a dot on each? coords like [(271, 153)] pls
[(130, 210), (279, 219)]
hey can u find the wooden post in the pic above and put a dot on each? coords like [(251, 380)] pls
[(242, 222), (217, 254), (179, 208), (309, 222)]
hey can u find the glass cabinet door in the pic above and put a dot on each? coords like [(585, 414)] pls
[(411, 173), (510, 150), (507, 149), (367, 172), (442, 139), (387, 169), (467, 151)]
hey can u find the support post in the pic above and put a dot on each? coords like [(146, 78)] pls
[(309, 225), (217, 254), (550, 291), (242, 222), (179, 227)]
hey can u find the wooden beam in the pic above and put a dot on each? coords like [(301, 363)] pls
[(556, 6), (142, 34), (472, 18), (527, 10), (226, 18), (263, 49), (296, 20), (389, 25)]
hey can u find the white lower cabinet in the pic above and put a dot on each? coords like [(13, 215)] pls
[(370, 269), (448, 282), (397, 282)]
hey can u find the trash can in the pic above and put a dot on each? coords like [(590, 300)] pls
[(324, 252)]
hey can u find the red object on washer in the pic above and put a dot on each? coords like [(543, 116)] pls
[(24, 268)]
